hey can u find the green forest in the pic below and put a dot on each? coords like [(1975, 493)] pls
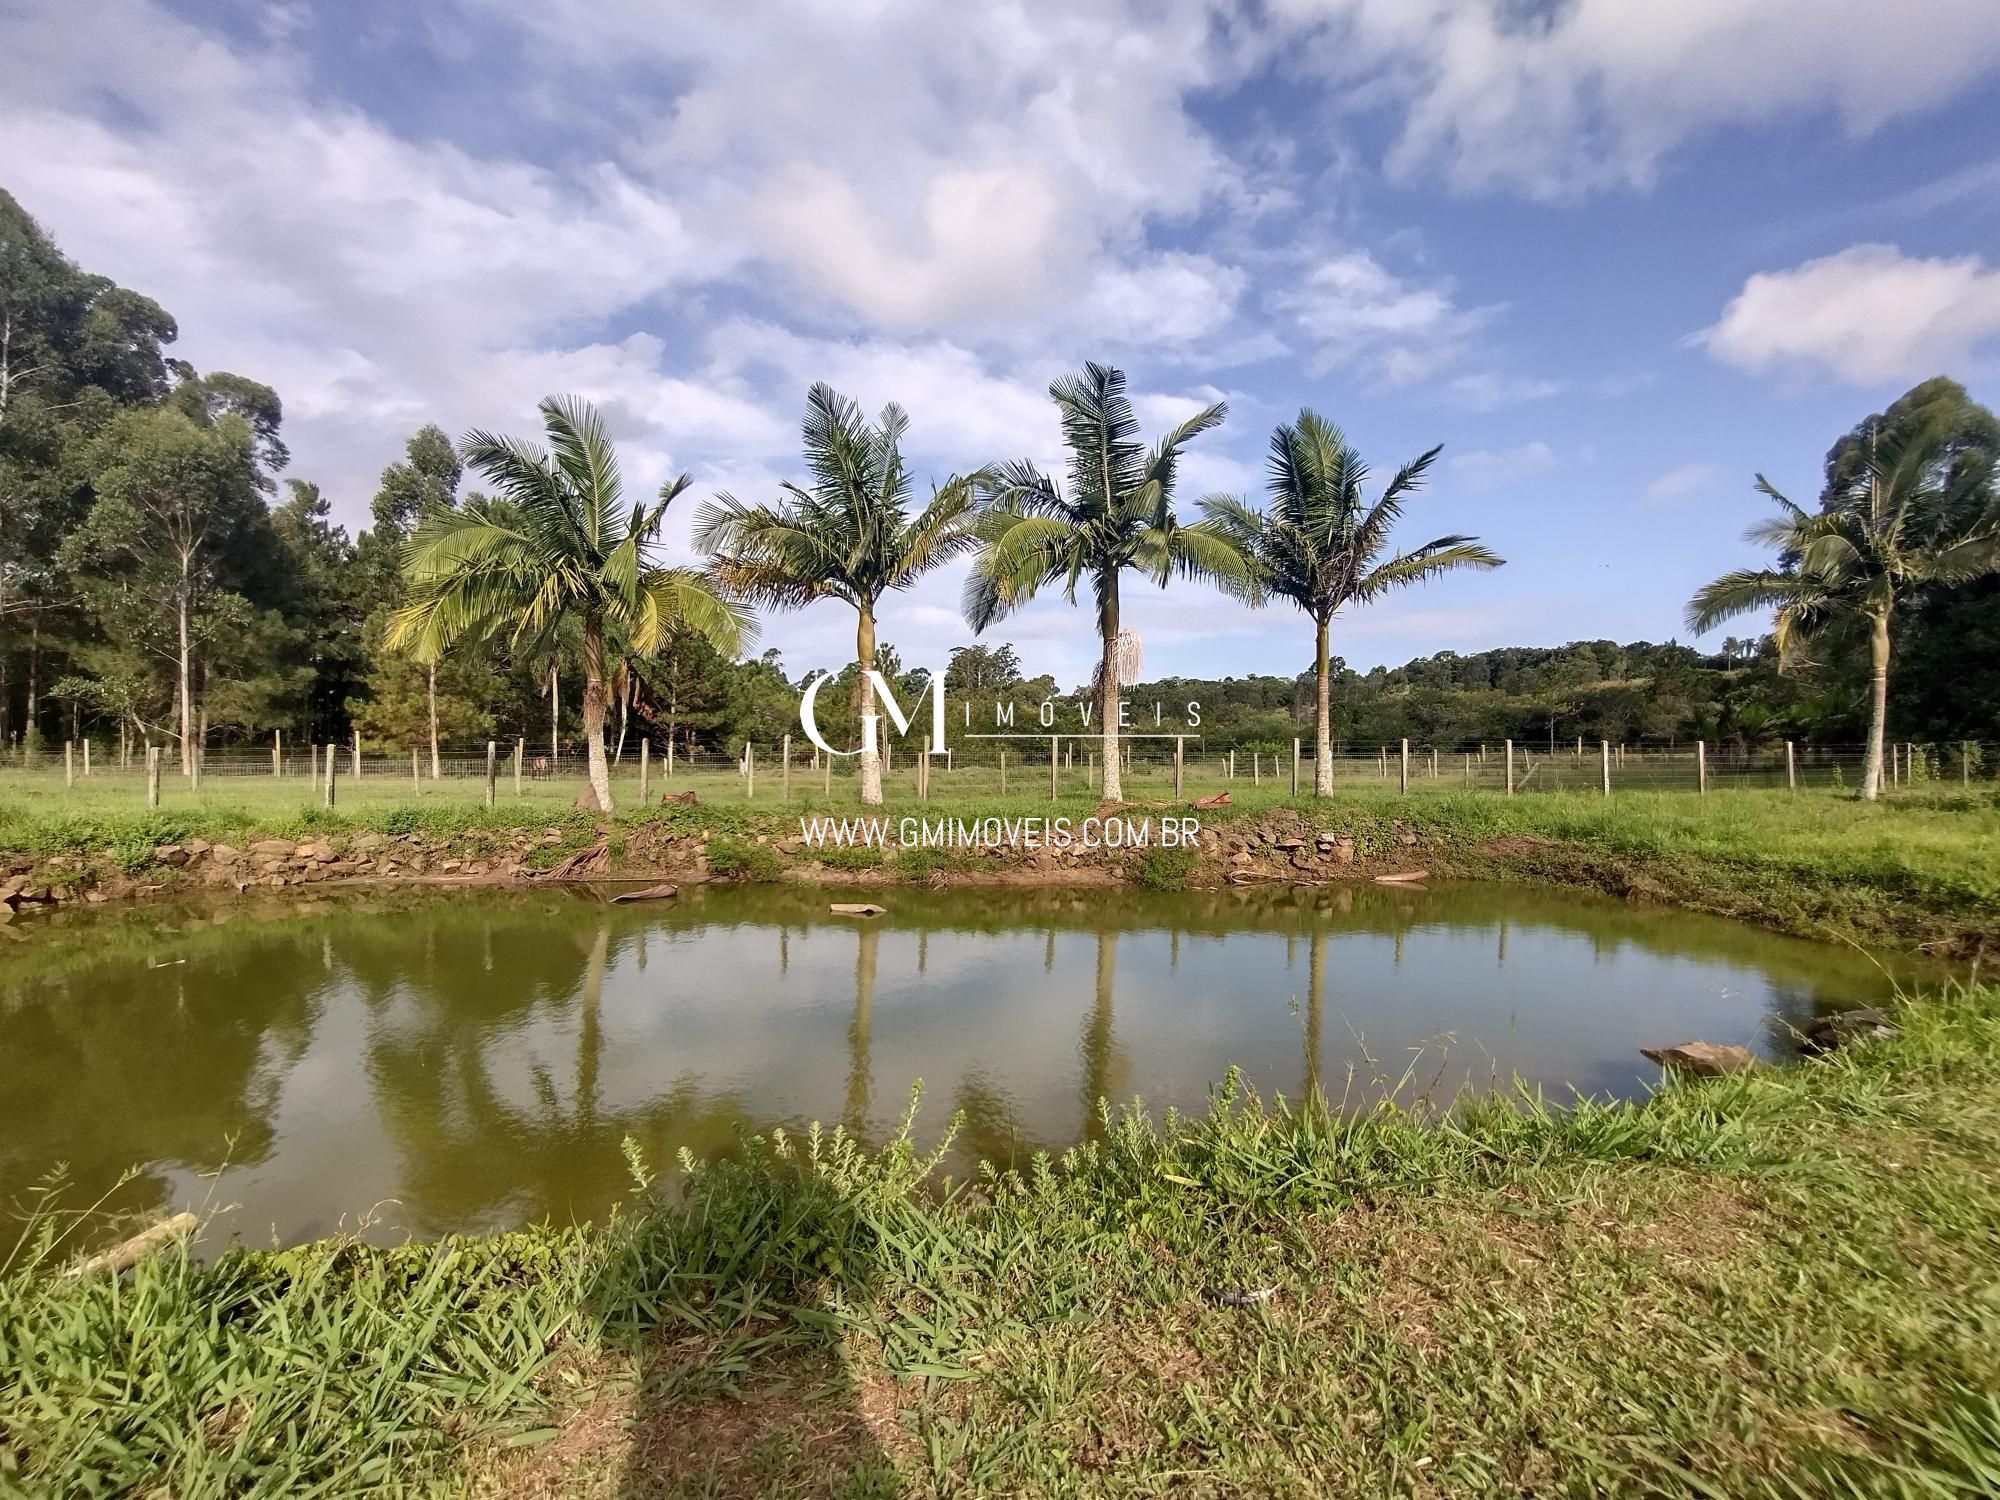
[(160, 564)]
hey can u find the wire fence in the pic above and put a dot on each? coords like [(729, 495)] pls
[(1153, 767)]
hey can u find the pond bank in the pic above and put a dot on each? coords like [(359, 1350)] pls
[(1920, 875), (1778, 1281)]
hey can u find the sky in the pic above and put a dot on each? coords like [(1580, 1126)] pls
[(1616, 258)]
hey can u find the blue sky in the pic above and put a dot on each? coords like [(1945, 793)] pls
[(1615, 258)]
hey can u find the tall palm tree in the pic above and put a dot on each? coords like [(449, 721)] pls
[(1319, 543), (1908, 517), (846, 535), (562, 546), (1116, 513)]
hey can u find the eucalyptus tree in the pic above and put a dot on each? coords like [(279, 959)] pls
[(1319, 543), (560, 544), (846, 534), (1905, 516), (1115, 514)]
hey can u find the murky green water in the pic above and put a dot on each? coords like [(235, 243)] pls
[(423, 1063)]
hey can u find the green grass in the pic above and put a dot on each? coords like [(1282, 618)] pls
[(1776, 1284), (1919, 868)]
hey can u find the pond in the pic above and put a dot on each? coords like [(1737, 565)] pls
[(408, 1062)]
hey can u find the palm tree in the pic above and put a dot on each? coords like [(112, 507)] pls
[(1318, 542), (849, 535), (1906, 518), (1117, 513), (561, 546)]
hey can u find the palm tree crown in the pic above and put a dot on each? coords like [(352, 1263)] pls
[(1906, 517), (1117, 512), (848, 534), (1320, 544), (558, 543)]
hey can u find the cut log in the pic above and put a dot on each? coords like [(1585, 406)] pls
[(144, 1243), (689, 799), (1214, 799), (650, 893), (1400, 878), (858, 909)]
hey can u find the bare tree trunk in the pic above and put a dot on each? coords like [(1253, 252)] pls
[(871, 754), (431, 700), (31, 722), (1878, 707), (1323, 708), (1107, 693), (186, 702), (593, 713)]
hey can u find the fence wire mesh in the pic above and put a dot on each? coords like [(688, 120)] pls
[(1063, 766)]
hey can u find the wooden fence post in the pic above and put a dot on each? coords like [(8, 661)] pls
[(1791, 769), (1180, 763), (277, 752), (1296, 748), (86, 755), (826, 771), (645, 768), (785, 772), (69, 763), (416, 772), (1510, 768), (1604, 752), (152, 776), (1232, 765), (750, 771), (1003, 770), (1701, 766), (1403, 769), (332, 770), (1256, 768), (492, 770), (1055, 768), (357, 755), (520, 755), (1965, 764)]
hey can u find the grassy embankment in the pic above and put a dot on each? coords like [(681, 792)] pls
[(1919, 869), (1777, 1284)]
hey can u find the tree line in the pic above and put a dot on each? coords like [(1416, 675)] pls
[(163, 580)]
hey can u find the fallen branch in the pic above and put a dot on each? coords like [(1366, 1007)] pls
[(144, 1243)]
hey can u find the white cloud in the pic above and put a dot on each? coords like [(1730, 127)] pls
[(1489, 390), (1356, 309), (1594, 93), (1869, 314), (1489, 468), (1685, 480)]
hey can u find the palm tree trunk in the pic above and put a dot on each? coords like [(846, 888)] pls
[(1878, 708), (593, 712), (1323, 708), (431, 696), (871, 758), (1107, 691)]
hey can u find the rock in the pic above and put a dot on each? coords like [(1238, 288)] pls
[(12, 886), (1702, 1059), (304, 851), (224, 854), (170, 854), (451, 866), (1407, 840), (1343, 851), (1402, 878), (1287, 845), (199, 847), (1826, 1033), (95, 898), (1240, 857), (361, 843), (273, 848)]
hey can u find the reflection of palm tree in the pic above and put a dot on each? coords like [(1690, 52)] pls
[(867, 937), (1315, 999), (1503, 942), (1098, 1041), (590, 1030)]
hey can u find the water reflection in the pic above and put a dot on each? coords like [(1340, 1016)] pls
[(473, 1061)]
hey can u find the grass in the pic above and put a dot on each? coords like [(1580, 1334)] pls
[(1778, 1284), (1920, 868)]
